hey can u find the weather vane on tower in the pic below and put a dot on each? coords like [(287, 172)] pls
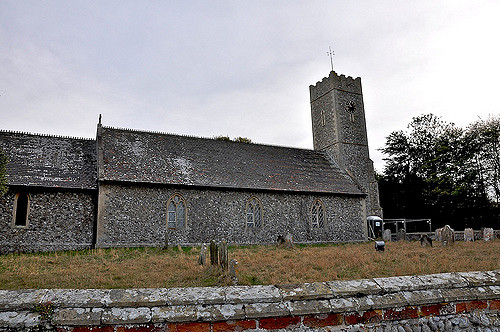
[(330, 53)]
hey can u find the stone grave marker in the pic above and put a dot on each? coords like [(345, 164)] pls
[(214, 255), (387, 235), (447, 236), (439, 234), (202, 260), (401, 235), (468, 235), (233, 268), (288, 240), (223, 255), (487, 234), (425, 241)]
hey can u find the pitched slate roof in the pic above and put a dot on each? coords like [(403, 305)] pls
[(50, 161), (145, 157)]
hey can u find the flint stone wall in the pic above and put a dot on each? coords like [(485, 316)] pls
[(56, 221), (447, 301), (221, 214)]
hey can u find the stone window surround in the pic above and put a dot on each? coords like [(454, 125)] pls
[(316, 223), (182, 201), (15, 210), (257, 224)]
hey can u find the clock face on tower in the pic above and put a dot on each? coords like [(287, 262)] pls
[(350, 108)]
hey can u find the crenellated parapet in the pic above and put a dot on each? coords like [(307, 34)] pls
[(335, 81)]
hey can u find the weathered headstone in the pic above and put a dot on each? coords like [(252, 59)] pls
[(468, 235), (387, 235), (447, 236), (487, 234), (233, 267), (288, 240), (202, 260), (425, 240), (439, 235), (223, 255), (401, 236), (214, 255)]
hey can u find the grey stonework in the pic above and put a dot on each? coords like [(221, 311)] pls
[(339, 128), (113, 191), (220, 214), (56, 221), (405, 303)]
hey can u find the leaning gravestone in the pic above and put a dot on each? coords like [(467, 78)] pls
[(214, 255), (288, 240), (387, 235), (447, 236), (468, 235), (202, 260), (439, 235), (425, 241), (233, 268), (401, 235), (487, 234), (223, 255)]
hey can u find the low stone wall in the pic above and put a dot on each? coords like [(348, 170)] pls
[(447, 301)]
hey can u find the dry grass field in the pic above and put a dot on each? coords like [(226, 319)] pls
[(150, 267)]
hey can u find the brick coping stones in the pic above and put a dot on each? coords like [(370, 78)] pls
[(249, 307)]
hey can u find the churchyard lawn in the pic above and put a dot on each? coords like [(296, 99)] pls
[(153, 267)]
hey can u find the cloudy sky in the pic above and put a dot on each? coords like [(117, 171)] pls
[(242, 68)]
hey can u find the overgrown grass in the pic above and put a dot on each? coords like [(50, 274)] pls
[(152, 267)]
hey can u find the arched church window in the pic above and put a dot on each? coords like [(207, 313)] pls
[(317, 214), (176, 212), (253, 213), (21, 210)]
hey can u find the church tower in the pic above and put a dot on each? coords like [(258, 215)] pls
[(339, 129)]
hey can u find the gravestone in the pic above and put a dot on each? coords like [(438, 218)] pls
[(447, 236), (387, 235), (401, 236), (223, 255), (233, 268), (285, 241), (202, 260), (487, 234), (425, 241), (468, 235), (288, 240), (214, 255), (439, 234)]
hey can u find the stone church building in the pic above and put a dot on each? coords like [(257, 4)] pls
[(130, 188)]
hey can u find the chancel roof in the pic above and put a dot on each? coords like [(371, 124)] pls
[(146, 157), (50, 161)]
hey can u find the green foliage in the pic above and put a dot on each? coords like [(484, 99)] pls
[(436, 170), (3, 173), (45, 310), (242, 140), (222, 138), (236, 139)]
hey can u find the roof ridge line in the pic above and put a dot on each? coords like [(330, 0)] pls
[(204, 138), (45, 135)]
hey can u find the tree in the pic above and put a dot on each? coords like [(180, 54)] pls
[(236, 139), (431, 171), (487, 139), (3, 173)]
